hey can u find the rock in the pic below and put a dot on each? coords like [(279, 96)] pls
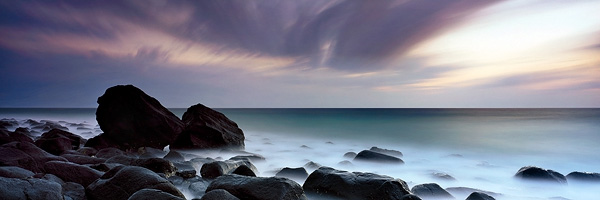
[(207, 129), (50, 177), (47, 126), (122, 182), (215, 169), (479, 196), (34, 189), (293, 173), (254, 158), (371, 156), (219, 194), (71, 172), (104, 167), (16, 136), (157, 165), (174, 156), (57, 141), (198, 188), (149, 152), (387, 151), (185, 169), (465, 191), (442, 176), (121, 159), (88, 151), (345, 163), (244, 170), (258, 188), (312, 165), (131, 119), (350, 155), (410, 197), (584, 176), (74, 191), (327, 182), (82, 160), (25, 155), (539, 174), (145, 194), (14, 172), (431, 191), (107, 153)]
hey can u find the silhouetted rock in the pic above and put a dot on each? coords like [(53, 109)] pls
[(14, 172), (26, 155), (259, 188), (584, 176), (71, 172), (293, 173), (207, 128), (154, 194), (254, 158), (57, 141), (387, 151), (371, 156), (327, 182), (219, 194), (244, 170), (131, 119), (431, 191), (121, 182), (215, 169), (539, 174), (479, 196), (34, 189)]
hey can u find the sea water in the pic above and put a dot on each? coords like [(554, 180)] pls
[(479, 148)]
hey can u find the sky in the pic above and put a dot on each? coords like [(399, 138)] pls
[(313, 53)]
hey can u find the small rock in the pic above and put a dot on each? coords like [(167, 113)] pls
[(431, 191), (254, 158), (312, 165), (16, 188), (371, 156), (584, 176), (350, 155), (244, 170), (88, 151), (82, 160), (157, 165), (215, 169), (387, 151), (174, 156), (442, 176), (73, 190), (107, 153), (479, 196)]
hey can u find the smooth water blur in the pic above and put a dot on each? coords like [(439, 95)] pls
[(481, 148)]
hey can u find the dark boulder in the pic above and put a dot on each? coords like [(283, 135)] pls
[(254, 158), (539, 174), (479, 196), (16, 136), (154, 194), (584, 176), (34, 189), (14, 172), (387, 151), (327, 182), (25, 155), (82, 159), (215, 169), (207, 128), (219, 194), (71, 172), (198, 187), (122, 182), (431, 191), (157, 165), (57, 141), (185, 169), (131, 119), (244, 170), (121, 159), (72, 190), (293, 173), (372, 156), (258, 188)]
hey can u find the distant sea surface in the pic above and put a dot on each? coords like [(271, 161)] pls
[(498, 140)]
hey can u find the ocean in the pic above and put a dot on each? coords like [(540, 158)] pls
[(479, 148)]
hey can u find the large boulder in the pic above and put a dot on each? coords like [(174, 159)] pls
[(539, 174), (217, 168), (122, 182), (219, 194), (25, 155), (327, 183), (258, 188), (431, 191), (131, 119), (72, 172), (207, 128), (34, 189), (14, 172), (584, 176), (57, 141), (372, 156)]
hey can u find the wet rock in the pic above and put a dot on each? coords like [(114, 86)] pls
[(50, 177), (219, 194), (71, 172), (198, 187), (293, 173), (154, 194), (185, 169), (371, 156), (350, 155), (215, 169), (25, 155), (131, 119), (431, 191), (327, 182), (15, 188), (149, 152), (258, 188), (14, 172), (107, 153), (73, 190), (157, 165), (345, 163), (584, 176), (82, 160), (479, 196), (207, 128), (539, 174), (174, 156), (46, 125), (387, 151), (244, 170), (122, 182)]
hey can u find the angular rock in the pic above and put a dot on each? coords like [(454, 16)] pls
[(34, 189), (327, 182), (121, 182), (479, 196), (154, 194), (14, 172), (387, 151), (25, 155), (131, 119), (71, 172), (431, 191), (584, 176), (539, 174), (215, 169), (57, 141), (259, 188), (208, 129), (293, 173), (371, 156), (219, 194)]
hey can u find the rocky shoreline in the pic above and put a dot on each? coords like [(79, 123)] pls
[(129, 161)]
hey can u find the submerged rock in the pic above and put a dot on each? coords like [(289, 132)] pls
[(431, 191), (479, 196), (387, 151), (372, 156), (207, 128), (131, 119), (293, 173), (539, 174), (350, 155), (584, 176), (215, 169), (327, 182), (259, 188)]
